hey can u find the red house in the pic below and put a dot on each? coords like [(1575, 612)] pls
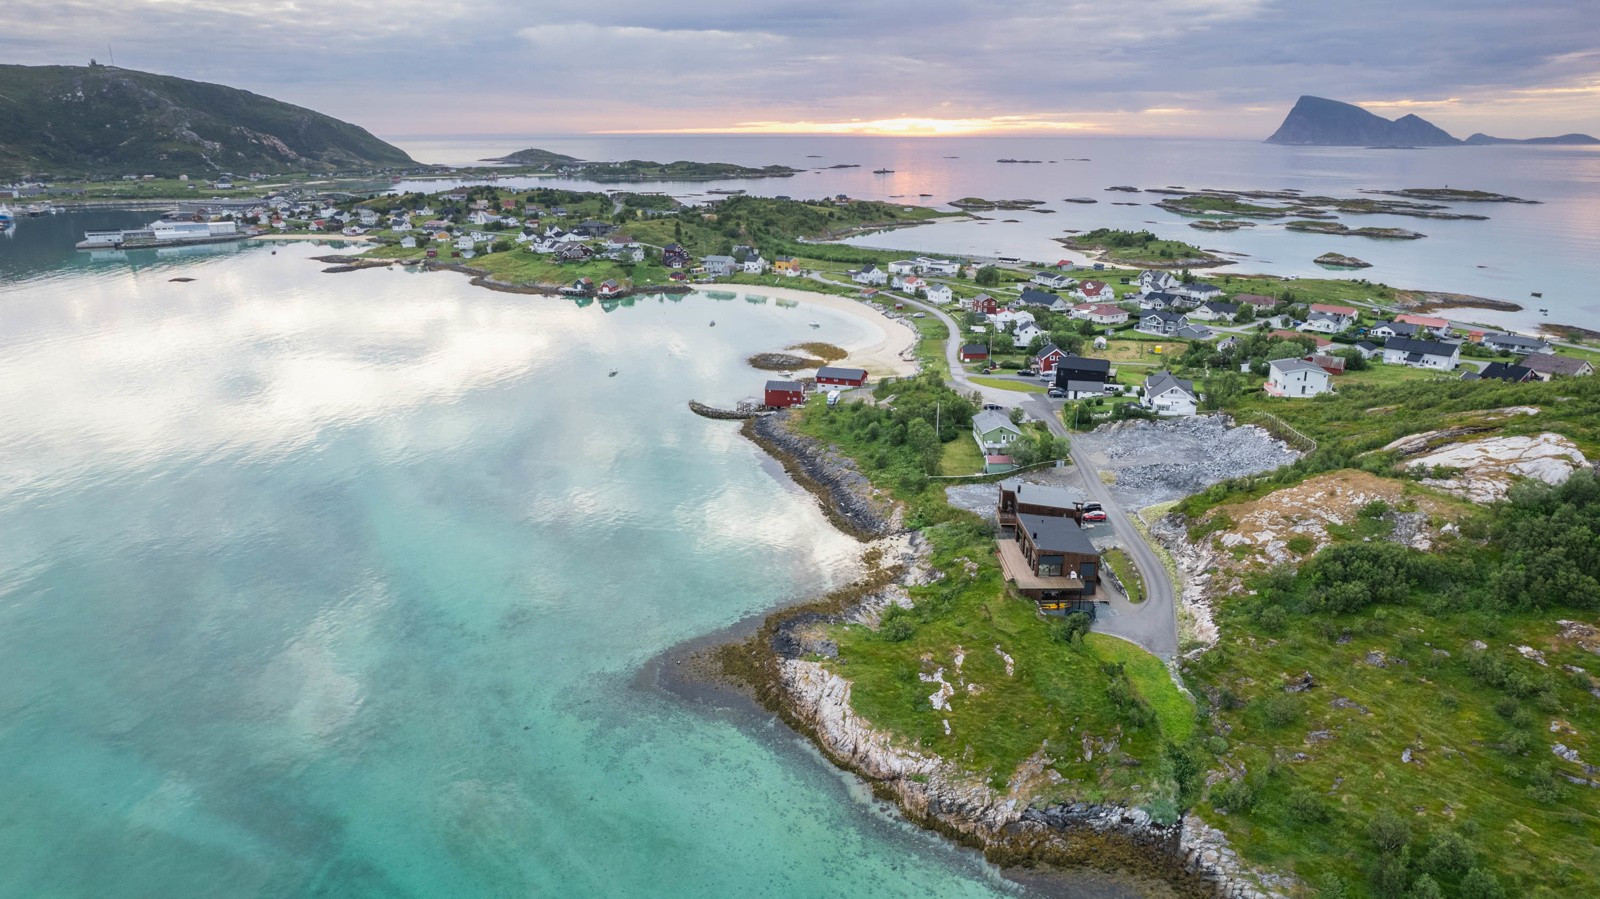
[(985, 304), (609, 289), (783, 394), (841, 377), (973, 352), (1048, 357)]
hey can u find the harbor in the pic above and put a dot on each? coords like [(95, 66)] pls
[(165, 232)]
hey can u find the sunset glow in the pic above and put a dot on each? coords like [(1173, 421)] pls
[(906, 126)]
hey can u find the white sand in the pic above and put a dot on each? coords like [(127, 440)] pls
[(889, 353)]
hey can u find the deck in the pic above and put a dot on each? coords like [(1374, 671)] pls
[(1017, 571)]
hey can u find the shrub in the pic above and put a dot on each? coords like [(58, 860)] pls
[(1389, 875), (1426, 887), (1448, 853), (1388, 831), (1306, 807), (1069, 628), (1300, 544), (896, 628), (1546, 787), (1480, 884), (1280, 710), (1233, 796), (1272, 619)]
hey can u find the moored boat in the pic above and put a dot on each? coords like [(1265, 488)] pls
[(5, 215)]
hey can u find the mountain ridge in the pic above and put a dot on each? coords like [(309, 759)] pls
[(1321, 122), (107, 120)]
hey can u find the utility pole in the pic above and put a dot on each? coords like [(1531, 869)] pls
[(938, 408)]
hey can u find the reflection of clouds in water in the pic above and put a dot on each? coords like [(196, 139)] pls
[(239, 369)]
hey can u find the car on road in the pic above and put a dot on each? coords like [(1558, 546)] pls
[(1093, 512), (1026, 373), (1056, 393), (993, 407)]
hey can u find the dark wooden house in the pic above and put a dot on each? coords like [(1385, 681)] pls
[(1050, 558)]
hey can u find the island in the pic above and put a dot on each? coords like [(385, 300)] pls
[(1221, 224), (1337, 260), (1320, 122), (1140, 248), (1452, 195), (979, 204), (1322, 227), (635, 170)]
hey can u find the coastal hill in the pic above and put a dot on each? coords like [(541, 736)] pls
[(1582, 140), (535, 156), (642, 169), (105, 120), (1320, 122)]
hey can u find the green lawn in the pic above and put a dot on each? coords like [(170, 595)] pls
[(1003, 384), (1127, 573), (1174, 709), (961, 456)]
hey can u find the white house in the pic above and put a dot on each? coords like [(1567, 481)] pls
[(903, 267), (938, 293), (1096, 292), (719, 265), (1387, 330), (1156, 282), (408, 242), (1323, 323), (1162, 322), (1166, 394), (908, 283), (871, 276), (1052, 280), (1101, 313), (1161, 300), (1214, 311), (1514, 343), (943, 267), (369, 217), (1297, 378), (464, 242), (1024, 335), (1421, 353), (1008, 317), (1201, 291), (754, 264)]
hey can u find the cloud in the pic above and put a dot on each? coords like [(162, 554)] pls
[(1223, 67)]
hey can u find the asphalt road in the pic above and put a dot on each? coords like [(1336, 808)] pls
[(1152, 624)]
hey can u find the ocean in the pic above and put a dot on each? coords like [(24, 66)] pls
[(1551, 248), (342, 584)]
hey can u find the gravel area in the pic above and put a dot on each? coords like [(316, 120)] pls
[(1160, 461)]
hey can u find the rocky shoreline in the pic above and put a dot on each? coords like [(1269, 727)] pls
[(776, 665)]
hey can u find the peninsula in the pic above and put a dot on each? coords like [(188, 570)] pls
[(636, 170)]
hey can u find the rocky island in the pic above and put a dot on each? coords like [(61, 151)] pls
[(1338, 260), (1319, 227), (1320, 122)]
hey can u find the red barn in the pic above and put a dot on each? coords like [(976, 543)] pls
[(973, 352), (783, 394), (1048, 357), (841, 377), (985, 304)]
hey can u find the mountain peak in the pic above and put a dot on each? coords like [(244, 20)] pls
[(1318, 121)]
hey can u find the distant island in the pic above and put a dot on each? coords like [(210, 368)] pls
[(642, 169), (1320, 122), (103, 120)]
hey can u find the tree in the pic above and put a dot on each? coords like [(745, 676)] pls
[(922, 439), (1480, 884), (988, 276)]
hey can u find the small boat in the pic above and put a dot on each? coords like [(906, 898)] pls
[(816, 324), (1544, 311), (713, 323), (1537, 294), (5, 214), (924, 195), (613, 373), (883, 171)]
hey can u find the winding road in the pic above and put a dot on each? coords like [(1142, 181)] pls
[(1152, 624)]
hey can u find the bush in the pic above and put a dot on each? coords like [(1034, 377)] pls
[(1448, 853), (1426, 887), (1388, 831), (1069, 628), (1300, 544), (1306, 807), (1480, 884), (1233, 796), (896, 628), (1389, 875), (1280, 710), (1272, 619)]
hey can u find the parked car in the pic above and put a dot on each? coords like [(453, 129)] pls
[(1056, 393), (1027, 373), (1093, 512), (993, 407)]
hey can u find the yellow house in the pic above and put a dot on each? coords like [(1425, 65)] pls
[(786, 264)]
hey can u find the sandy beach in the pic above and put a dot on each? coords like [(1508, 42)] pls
[(890, 354), (331, 238)]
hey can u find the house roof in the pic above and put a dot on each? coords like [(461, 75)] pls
[(1164, 316), (988, 420), (1091, 288), (1203, 287), (1163, 297), (1551, 364), (1053, 534), (1163, 381), (829, 371), (1224, 308), (1076, 386), (1047, 495), (1288, 366), (1422, 347), (1194, 332), (1423, 320), (1516, 340), (1050, 349), (1106, 309), (1331, 309), (1506, 372), (720, 260), (969, 349), (787, 386), (1038, 297), (1085, 363), (1257, 300), (1401, 329)]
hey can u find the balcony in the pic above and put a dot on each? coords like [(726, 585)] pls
[(1017, 571)]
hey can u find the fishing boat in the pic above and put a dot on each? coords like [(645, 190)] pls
[(1544, 311), (1537, 294), (613, 373), (5, 215), (713, 323), (883, 171), (816, 324)]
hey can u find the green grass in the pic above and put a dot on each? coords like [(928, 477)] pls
[(1057, 693), (1458, 779), (1127, 573), (1003, 384), (1174, 709), (961, 457)]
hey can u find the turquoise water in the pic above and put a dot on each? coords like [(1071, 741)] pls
[(340, 584)]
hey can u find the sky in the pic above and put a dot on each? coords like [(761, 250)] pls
[(1194, 68)]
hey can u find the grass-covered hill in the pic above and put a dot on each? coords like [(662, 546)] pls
[(105, 120)]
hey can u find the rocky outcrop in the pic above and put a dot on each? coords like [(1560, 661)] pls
[(1484, 470)]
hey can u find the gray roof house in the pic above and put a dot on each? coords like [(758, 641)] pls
[(1167, 394), (994, 431), (720, 265), (1547, 365), (1159, 322), (1514, 343), (1421, 353)]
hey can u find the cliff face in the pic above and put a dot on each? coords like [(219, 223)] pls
[(1319, 122), (101, 119)]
